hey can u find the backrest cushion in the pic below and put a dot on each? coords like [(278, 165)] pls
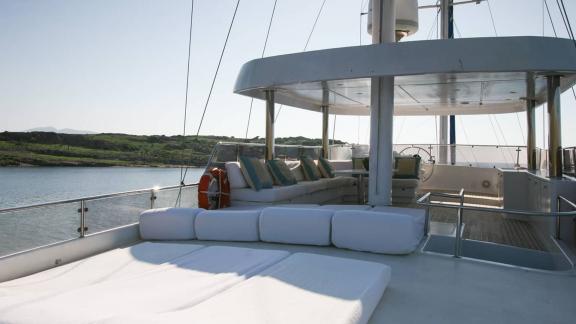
[(168, 223), (255, 173), (295, 225), (309, 169), (281, 173), (379, 232), (227, 225), (325, 168), (235, 176), (407, 167), (296, 170)]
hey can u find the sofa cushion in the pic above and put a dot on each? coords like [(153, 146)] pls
[(268, 195), (325, 168), (227, 225), (168, 223), (281, 173), (295, 225), (309, 168), (255, 173), (235, 176), (379, 232), (313, 186), (339, 182)]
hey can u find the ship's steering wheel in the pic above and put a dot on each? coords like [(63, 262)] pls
[(426, 158)]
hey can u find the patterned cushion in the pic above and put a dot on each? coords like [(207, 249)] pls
[(309, 169), (325, 168), (255, 173), (407, 167), (281, 173)]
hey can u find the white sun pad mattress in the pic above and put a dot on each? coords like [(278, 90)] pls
[(304, 288), (115, 264), (181, 283)]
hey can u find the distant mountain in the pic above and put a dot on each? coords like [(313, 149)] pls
[(61, 131)]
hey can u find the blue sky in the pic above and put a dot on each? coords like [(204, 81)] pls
[(119, 66)]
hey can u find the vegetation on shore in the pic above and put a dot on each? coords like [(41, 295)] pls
[(55, 149)]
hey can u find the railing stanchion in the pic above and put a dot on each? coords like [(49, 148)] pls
[(427, 216), (458, 236), (558, 207), (152, 198), (82, 210)]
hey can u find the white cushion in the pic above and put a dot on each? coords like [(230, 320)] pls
[(179, 284), (346, 207), (295, 225), (313, 186), (303, 288), (297, 205), (378, 232), (339, 182), (226, 225), (278, 193), (168, 223), (235, 176)]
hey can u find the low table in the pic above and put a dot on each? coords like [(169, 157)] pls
[(360, 174)]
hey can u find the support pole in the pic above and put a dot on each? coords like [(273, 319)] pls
[(554, 128), (531, 125), (269, 155), (447, 12), (382, 109), (325, 138)]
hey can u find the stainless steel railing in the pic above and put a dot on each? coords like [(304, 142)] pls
[(559, 201), (82, 203), (428, 203)]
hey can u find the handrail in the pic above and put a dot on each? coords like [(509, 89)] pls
[(426, 201), (422, 202), (559, 201), (116, 194)]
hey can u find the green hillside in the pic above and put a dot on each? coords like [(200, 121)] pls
[(54, 149)]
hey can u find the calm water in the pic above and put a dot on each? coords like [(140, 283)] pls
[(29, 228), (31, 185)]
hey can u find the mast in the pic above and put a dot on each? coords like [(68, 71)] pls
[(382, 109)]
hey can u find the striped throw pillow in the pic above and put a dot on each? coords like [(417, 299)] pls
[(325, 168), (255, 173), (281, 173), (309, 169)]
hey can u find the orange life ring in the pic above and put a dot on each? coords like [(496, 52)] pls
[(214, 190)]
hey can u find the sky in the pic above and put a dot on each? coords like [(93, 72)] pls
[(119, 66)]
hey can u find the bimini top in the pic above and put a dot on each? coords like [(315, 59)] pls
[(435, 77)]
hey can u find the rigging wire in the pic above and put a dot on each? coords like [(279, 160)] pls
[(334, 131), (567, 25), (214, 80), (261, 56), (186, 95), (492, 17), (307, 43), (218, 67)]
